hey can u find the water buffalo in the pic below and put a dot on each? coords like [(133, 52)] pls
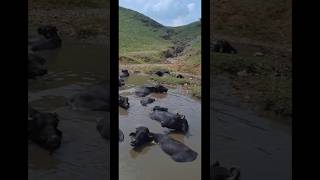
[(223, 46), (218, 172), (42, 129), (124, 73), (146, 90), (124, 102), (162, 73), (170, 120), (178, 151), (36, 66), (94, 98), (103, 126), (141, 137), (147, 100), (50, 40)]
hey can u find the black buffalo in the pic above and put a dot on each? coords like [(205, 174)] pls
[(94, 98), (146, 90), (178, 151), (43, 129), (124, 102), (141, 137), (170, 120), (147, 100)]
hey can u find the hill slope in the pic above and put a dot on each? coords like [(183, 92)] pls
[(143, 40), (267, 21)]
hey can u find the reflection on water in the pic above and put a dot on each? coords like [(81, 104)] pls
[(83, 153), (261, 147), (150, 162)]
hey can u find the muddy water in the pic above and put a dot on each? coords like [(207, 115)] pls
[(151, 162), (260, 146), (83, 153)]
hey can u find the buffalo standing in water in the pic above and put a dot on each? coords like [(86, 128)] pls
[(146, 90), (95, 98), (178, 151), (43, 129), (50, 40), (218, 172), (170, 120)]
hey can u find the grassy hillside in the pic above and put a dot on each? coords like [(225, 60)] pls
[(253, 26), (143, 40), (140, 36), (268, 21)]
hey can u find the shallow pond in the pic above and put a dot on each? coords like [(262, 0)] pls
[(83, 153), (260, 146), (151, 162)]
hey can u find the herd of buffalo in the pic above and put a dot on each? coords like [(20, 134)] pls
[(43, 126)]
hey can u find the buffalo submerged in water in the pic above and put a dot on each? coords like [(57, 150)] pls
[(170, 120), (148, 89), (43, 129), (94, 98), (178, 151)]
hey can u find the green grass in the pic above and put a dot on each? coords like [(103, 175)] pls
[(172, 80), (142, 40), (138, 36), (267, 80), (72, 3), (268, 21), (193, 85)]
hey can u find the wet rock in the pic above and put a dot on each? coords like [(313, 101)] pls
[(173, 51)]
